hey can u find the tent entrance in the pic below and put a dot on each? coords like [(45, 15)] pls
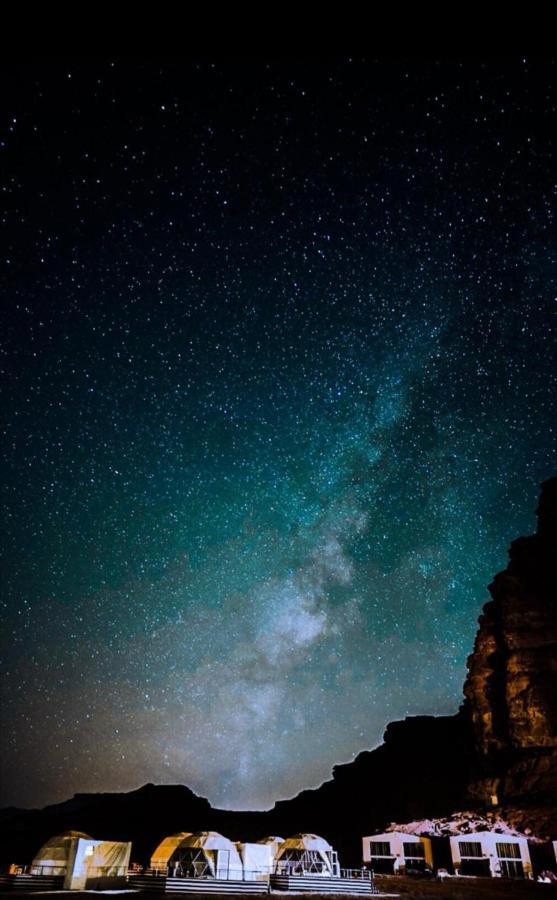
[(190, 862)]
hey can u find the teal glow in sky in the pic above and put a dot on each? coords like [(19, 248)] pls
[(279, 389)]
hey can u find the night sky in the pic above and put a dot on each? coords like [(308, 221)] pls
[(279, 388)]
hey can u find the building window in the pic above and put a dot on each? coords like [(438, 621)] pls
[(470, 848), (415, 850), (379, 848), (512, 868), (508, 851)]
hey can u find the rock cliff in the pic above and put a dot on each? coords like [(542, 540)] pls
[(511, 688)]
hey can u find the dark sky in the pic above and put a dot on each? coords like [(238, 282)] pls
[(279, 388)]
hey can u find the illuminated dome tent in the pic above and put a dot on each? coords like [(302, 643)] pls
[(54, 856), (166, 848), (206, 854), (273, 840), (84, 862), (306, 854)]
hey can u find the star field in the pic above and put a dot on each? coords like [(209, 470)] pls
[(279, 388)]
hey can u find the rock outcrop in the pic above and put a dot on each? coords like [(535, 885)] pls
[(511, 689)]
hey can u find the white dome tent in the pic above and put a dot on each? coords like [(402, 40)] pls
[(306, 854), (206, 854), (84, 863), (161, 855), (54, 855), (206, 862)]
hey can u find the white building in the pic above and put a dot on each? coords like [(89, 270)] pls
[(490, 853), (396, 852)]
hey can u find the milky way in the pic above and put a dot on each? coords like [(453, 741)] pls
[(279, 388)]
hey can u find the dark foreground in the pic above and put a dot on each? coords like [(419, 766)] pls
[(405, 888), (466, 889)]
